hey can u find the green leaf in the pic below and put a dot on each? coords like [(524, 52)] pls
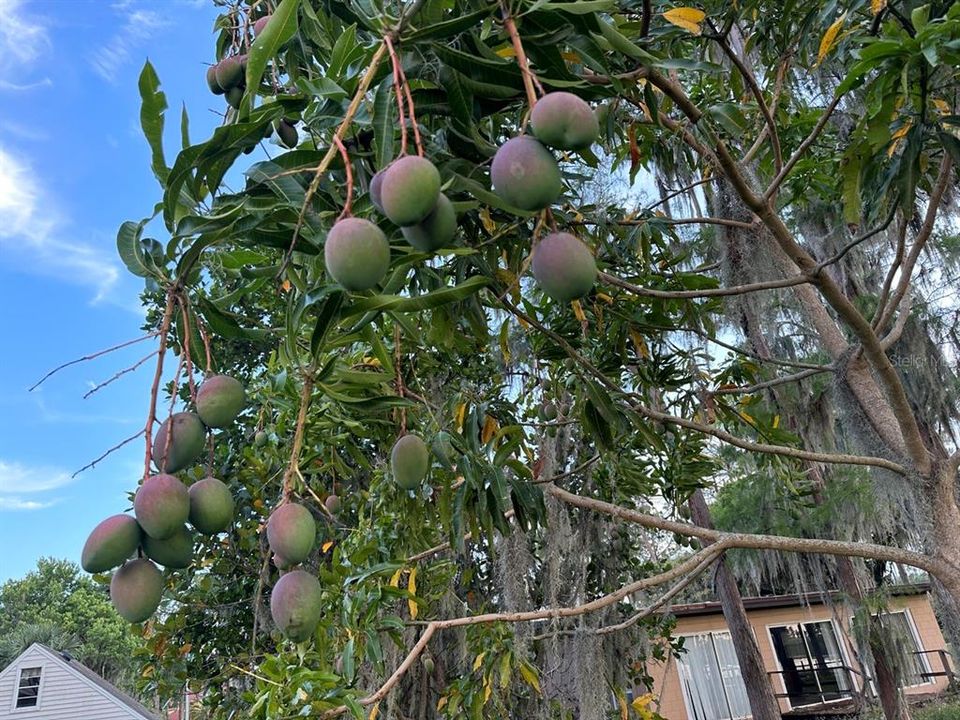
[(282, 27), (433, 299), (579, 7), (448, 28), (153, 104), (325, 321), (131, 251), (384, 122), (952, 145)]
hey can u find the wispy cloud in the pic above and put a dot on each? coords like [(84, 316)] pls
[(22, 40), (116, 53), (32, 233), (26, 487)]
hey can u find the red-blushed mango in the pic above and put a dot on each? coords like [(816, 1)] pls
[(174, 552), (564, 267), (230, 71), (136, 589), (410, 461), (376, 186), (295, 604), (186, 442), (564, 121), (410, 189), (212, 81), (162, 505), (357, 253), (281, 562), (332, 504), (111, 543), (291, 532), (436, 230), (211, 506), (220, 399), (525, 174), (260, 25)]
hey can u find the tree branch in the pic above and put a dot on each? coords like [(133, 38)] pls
[(710, 292)]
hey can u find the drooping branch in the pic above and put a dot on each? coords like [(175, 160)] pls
[(750, 541), (710, 292), (744, 444), (293, 467), (92, 356), (528, 78), (845, 309), (118, 374), (783, 380)]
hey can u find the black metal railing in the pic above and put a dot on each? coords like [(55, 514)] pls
[(946, 667), (826, 685)]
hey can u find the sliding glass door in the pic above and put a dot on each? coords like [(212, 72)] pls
[(812, 663), (710, 675)]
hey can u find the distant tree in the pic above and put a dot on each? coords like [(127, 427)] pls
[(58, 605)]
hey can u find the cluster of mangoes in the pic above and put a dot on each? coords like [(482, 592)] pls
[(292, 532), (407, 191), (525, 174), (163, 505)]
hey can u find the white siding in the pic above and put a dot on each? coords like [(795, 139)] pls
[(63, 694)]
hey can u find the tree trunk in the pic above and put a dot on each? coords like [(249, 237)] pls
[(763, 704), (891, 698)]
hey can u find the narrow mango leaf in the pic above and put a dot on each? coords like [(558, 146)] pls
[(830, 38), (478, 662), (282, 27), (690, 19), (412, 588), (374, 712), (529, 674), (490, 427), (460, 414), (430, 300), (395, 580)]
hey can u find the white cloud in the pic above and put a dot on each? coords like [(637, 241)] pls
[(21, 484), (22, 40), (32, 235), (116, 53)]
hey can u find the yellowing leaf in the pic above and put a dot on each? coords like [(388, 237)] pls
[(487, 690), (374, 712), (571, 57), (395, 580), (412, 587), (478, 662), (506, 52), (490, 427), (442, 703), (286, 286), (606, 298), (747, 417), (639, 343), (776, 421), (529, 674), (829, 38), (326, 546), (690, 19), (578, 311), (622, 701), (488, 224), (897, 138), (877, 5), (460, 414), (942, 106), (641, 706)]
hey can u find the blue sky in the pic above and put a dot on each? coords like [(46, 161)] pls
[(73, 166)]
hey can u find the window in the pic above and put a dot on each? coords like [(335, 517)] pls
[(710, 675), (28, 691), (907, 647), (812, 665)]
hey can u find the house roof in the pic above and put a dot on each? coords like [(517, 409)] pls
[(91, 678), (781, 601)]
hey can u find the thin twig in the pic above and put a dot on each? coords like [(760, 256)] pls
[(155, 388), (293, 468), (90, 357), (119, 374), (521, 56), (346, 165), (411, 110), (398, 92), (108, 452)]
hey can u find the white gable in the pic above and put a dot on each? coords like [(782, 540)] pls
[(65, 693)]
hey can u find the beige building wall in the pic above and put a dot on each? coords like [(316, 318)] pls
[(667, 680)]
